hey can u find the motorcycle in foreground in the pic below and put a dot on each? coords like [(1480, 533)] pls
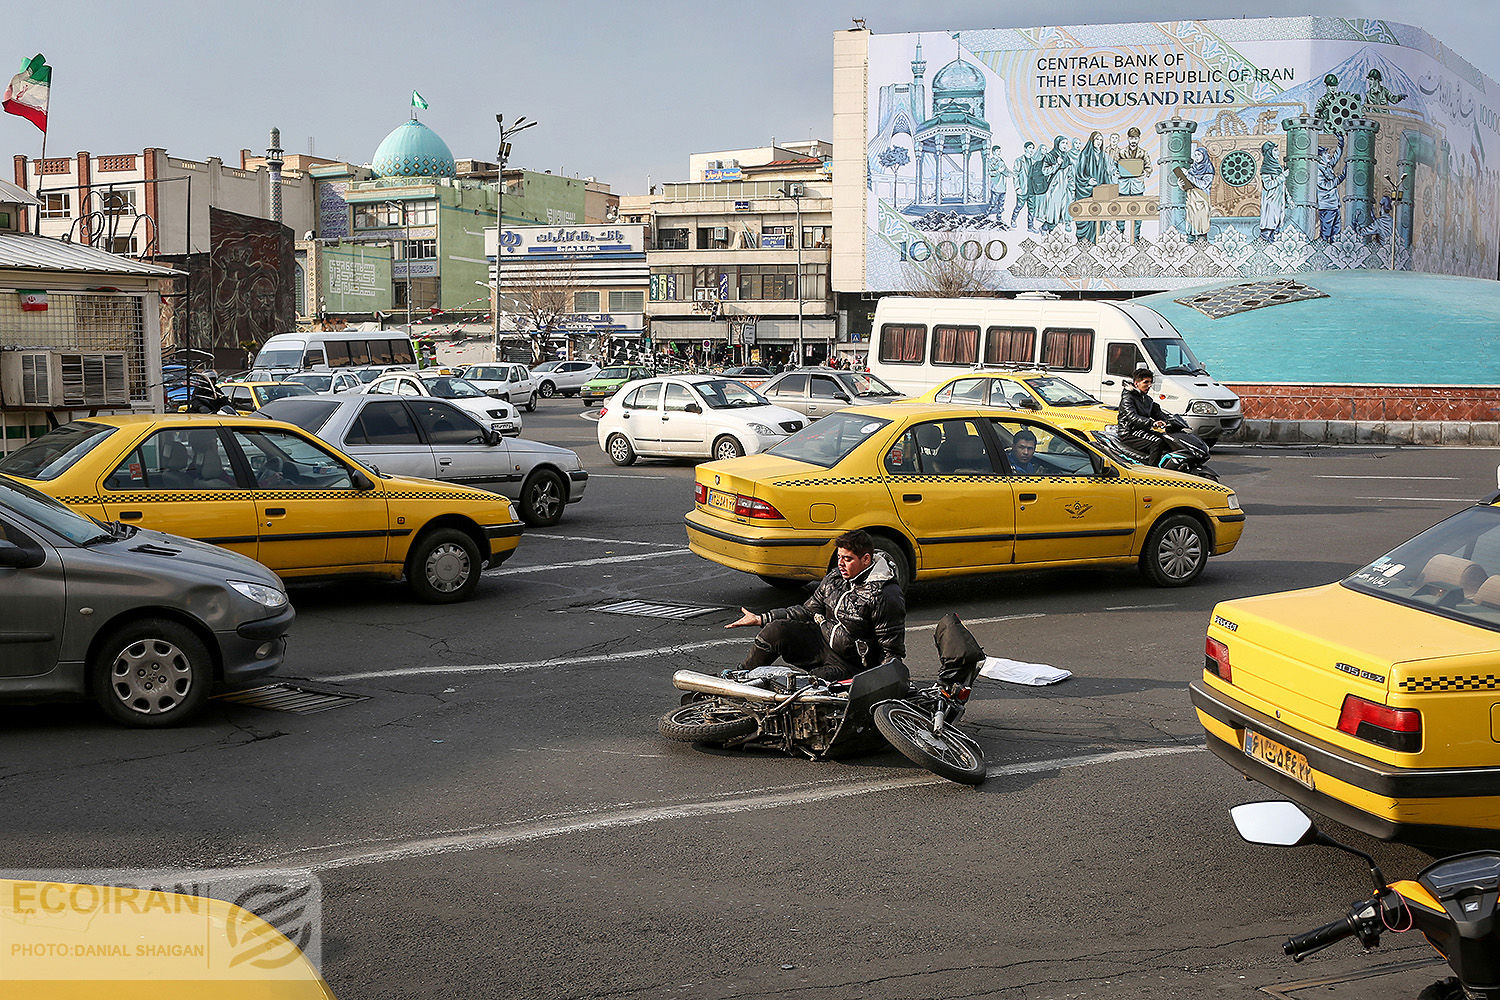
[(783, 708), (1185, 451), (1452, 902)]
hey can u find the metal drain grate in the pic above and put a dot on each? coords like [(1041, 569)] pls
[(646, 609), (288, 698)]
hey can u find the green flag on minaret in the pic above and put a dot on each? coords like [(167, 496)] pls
[(416, 100)]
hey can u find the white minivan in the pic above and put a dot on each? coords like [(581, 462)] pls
[(321, 350), (1095, 344)]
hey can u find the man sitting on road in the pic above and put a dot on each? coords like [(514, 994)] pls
[(1142, 422), (855, 620), (1022, 454)]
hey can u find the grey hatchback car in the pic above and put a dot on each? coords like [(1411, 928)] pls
[(432, 438), (147, 624)]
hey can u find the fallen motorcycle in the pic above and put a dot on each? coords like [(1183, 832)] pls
[(1185, 451), (1452, 902), (786, 709)]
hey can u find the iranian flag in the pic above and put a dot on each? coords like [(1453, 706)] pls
[(33, 299), (27, 94)]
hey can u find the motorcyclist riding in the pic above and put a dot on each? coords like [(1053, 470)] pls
[(855, 620), (1142, 422)]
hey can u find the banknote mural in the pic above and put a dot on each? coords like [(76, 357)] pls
[(1157, 155)]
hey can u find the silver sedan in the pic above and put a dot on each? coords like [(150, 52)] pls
[(433, 439)]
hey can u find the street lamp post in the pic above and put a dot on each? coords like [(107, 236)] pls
[(795, 191), (501, 156), (405, 256)]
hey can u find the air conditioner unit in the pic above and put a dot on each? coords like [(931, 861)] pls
[(721, 232), (63, 379)]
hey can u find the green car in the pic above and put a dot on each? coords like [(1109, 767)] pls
[(608, 381)]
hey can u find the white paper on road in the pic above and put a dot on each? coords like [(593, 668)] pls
[(1035, 674)]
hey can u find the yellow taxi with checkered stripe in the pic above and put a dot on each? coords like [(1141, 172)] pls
[(947, 490), (275, 493), (1374, 700), (1045, 393)]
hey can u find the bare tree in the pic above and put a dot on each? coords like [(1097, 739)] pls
[(950, 279), (539, 297)]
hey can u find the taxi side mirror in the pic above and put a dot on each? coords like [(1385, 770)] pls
[(362, 482), (1109, 472)]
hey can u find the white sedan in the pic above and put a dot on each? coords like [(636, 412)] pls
[(489, 411), (510, 382), (691, 416)]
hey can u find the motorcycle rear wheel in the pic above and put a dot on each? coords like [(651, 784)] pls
[(706, 722), (910, 732)]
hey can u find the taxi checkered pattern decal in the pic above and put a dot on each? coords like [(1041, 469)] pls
[(1204, 485), (1471, 682), (186, 496)]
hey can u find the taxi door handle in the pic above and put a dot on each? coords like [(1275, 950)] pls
[(911, 498), (275, 511), (129, 515), (1027, 498)]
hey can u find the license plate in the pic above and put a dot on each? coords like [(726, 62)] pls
[(1273, 754), (721, 501)]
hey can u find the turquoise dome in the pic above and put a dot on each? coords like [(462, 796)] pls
[(958, 77), (413, 150)]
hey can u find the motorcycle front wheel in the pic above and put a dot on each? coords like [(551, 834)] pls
[(707, 722), (948, 754)]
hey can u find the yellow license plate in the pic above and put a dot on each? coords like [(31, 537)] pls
[(1273, 754), (721, 501)]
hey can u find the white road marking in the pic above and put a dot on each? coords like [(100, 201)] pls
[(1395, 478), (513, 571), (1423, 499), (573, 661), (606, 541), (622, 475), (509, 834), (1138, 607)]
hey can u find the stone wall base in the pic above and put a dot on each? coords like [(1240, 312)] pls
[(1451, 433)]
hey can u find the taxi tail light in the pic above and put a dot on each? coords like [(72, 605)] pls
[(1216, 659), (700, 493), (750, 507), (1398, 729)]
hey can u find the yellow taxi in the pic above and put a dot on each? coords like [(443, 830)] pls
[(247, 397), (950, 489), (275, 493), (1051, 397), (1374, 700), (72, 941)]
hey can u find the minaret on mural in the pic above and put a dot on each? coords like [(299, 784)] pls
[(275, 162)]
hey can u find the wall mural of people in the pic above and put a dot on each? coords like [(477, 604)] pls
[(1057, 168), (1274, 197), (1197, 204), (1093, 167), (1026, 196)]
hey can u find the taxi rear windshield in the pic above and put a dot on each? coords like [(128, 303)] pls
[(1451, 569), (52, 454), (826, 442)]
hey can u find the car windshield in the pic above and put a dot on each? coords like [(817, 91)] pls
[(607, 373), (286, 358), (449, 387), (50, 455), (1451, 569), (265, 393), (49, 513), (308, 413), (547, 366), (1172, 356), (865, 384), (826, 442), (725, 394), (368, 375), (485, 372), (1060, 392), (317, 383)]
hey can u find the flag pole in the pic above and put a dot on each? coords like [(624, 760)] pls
[(36, 226)]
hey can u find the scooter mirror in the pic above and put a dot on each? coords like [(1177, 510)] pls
[(1278, 824)]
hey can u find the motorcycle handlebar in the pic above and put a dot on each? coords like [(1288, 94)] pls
[(1302, 945)]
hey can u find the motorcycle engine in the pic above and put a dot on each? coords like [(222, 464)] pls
[(783, 679)]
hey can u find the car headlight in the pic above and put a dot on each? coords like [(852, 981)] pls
[(762, 430), (260, 593), (1203, 407), (1233, 503)]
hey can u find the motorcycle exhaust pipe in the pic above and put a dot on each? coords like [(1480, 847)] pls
[(723, 687)]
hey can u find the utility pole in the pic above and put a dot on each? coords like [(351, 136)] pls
[(501, 156)]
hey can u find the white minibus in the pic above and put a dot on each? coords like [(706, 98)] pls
[(321, 350), (1095, 344)]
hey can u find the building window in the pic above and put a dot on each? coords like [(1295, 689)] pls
[(672, 284), (117, 202), (420, 213), (627, 302), (376, 215), (768, 281), (673, 239), (816, 237), (713, 237), (122, 245), (711, 280), (814, 282), (57, 205), (415, 250), (586, 302)]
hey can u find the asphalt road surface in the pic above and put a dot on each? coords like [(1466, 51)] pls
[(498, 818)]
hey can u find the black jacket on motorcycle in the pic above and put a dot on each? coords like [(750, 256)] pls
[(863, 620), (1138, 412)]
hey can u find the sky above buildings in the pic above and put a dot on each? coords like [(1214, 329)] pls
[(622, 91)]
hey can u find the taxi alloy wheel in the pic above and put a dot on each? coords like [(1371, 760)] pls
[(444, 567), (542, 498), (1176, 551), (620, 450), (154, 672)]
